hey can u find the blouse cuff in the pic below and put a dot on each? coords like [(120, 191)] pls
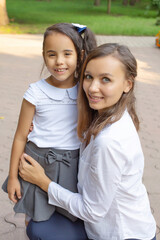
[(57, 195)]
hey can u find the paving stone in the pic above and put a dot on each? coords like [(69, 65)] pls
[(21, 63), (5, 227)]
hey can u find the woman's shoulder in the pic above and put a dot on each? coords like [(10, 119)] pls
[(120, 131)]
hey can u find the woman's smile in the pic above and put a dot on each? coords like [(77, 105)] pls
[(104, 82), (94, 99)]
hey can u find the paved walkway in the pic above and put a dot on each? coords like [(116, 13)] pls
[(20, 64)]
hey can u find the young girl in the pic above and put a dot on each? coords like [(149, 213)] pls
[(112, 199), (51, 105)]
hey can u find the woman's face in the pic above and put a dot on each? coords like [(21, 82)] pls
[(104, 82)]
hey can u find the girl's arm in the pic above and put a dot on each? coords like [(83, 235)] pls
[(20, 138)]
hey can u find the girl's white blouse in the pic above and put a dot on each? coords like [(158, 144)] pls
[(112, 199), (55, 119)]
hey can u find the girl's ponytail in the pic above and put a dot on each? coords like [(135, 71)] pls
[(89, 41), (81, 36)]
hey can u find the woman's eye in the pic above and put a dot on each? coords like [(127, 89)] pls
[(87, 76), (105, 79)]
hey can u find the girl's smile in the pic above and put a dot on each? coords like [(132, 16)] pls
[(60, 70), (60, 57)]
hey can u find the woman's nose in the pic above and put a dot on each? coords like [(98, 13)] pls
[(94, 86)]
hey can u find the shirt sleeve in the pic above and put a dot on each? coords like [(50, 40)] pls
[(99, 186), (30, 95)]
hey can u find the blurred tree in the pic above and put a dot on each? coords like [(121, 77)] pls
[(156, 4), (125, 2), (97, 2), (131, 2), (4, 20), (108, 6)]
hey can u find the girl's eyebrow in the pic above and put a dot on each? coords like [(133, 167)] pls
[(66, 50), (50, 51)]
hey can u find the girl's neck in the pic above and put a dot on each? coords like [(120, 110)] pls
[(60, 84)]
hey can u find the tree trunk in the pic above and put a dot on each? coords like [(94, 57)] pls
[(108, 6), (4, 20), (97, 2), (125, 2), (132, 2)]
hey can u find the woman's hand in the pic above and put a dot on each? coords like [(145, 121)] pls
[(32, 172)]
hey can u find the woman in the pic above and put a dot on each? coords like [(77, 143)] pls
[(112, 200)]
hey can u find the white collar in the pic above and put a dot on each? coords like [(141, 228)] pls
[(57, 93)]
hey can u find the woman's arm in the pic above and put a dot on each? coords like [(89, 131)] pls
[(20, 138), (98, 190), (31, 171)]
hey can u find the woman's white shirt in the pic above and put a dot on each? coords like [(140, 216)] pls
[(55, 119), (112, 199)]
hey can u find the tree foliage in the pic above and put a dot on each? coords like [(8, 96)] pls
[(156, 4)]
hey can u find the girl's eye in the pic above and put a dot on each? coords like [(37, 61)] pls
[(105, 79), (52, 55), (67, 53), (87, 76)]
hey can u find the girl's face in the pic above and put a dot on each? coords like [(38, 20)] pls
[(60, 57), (104, 82)]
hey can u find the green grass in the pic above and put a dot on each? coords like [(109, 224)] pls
[(31, 16)]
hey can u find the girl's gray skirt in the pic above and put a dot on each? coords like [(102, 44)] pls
[(61, 166)]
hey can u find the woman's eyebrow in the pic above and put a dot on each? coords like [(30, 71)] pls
[(101, 75), (87, 72), (105, 74)]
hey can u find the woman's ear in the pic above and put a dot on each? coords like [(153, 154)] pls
[(128, 85)]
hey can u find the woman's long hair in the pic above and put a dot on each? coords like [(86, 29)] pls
[(89, 122)]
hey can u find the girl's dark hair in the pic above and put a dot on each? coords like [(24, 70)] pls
[(85, 41), (89, 122)]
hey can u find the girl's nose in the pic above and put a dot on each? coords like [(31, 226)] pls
[(59, 60)]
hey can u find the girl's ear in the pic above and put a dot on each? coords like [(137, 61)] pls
[(43, 57), (82, 55), (128, 85)]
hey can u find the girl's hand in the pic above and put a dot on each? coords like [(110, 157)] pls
[(32, 172), (14, 189)]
